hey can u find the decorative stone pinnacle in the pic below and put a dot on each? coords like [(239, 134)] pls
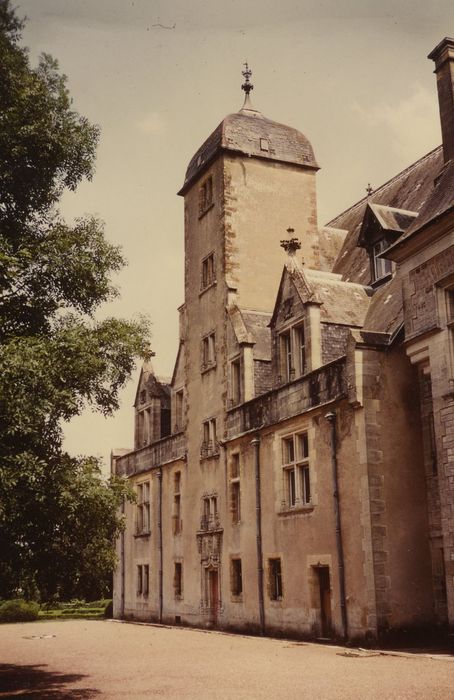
[(247, 86), (290, 244), (148, 353), (369, 189)]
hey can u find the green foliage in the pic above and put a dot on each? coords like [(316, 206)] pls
[(58, 516), (18, 610)]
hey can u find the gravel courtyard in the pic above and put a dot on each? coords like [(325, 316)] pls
[(78, 659)]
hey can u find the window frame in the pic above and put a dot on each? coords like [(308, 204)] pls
[(235, 488), (209, 446), (275, 579), (206, 195), (208, 271), (143, 508), (236, 578), (208, 351), (295, 460)]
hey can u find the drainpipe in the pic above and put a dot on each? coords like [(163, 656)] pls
[(122, 565), (159, 476), (258, 513), (331, 418)]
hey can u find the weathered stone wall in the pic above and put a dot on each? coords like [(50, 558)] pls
[(263, 380)]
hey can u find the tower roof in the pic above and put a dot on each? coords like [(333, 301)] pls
[(249, 133)]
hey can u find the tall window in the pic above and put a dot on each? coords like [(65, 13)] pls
[(275, 579), (143, 579), (205, 195), (143, 508), (178, 579), (450, 305), (235, 492), (236, 383), (208, 271), (236, 578), (177, 524), (179, 403), (209, 443), (208, 351), (300, 349), (210, 518), (382, 266), (295, 464), (287, 369)]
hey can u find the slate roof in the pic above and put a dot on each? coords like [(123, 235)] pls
[(440, 202), (385, 314), (343, 303), (393, 219), (257, 325), (409, 190), (241, 133)]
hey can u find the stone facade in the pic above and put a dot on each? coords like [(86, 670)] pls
[(296, 474)]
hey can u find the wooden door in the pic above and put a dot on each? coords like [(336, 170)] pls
[(325, 600), (214, 595)]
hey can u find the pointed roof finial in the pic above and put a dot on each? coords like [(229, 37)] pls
[(369, 189), (247, 86), (292, 244)]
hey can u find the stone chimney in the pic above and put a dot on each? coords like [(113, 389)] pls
[(443, 57)]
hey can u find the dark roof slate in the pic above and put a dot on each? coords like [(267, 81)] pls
[(241, 133), (408, 190), (385, 314)]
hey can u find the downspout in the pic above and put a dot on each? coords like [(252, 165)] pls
[(258, 515), (122, 565), (159, 477), (331, 418)]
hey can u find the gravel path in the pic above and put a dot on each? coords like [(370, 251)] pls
[(78, 659)]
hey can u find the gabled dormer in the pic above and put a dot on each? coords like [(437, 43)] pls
[(295, 323), (152, 407), (381, 227)]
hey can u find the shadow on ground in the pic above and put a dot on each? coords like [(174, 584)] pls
[(35, 682)]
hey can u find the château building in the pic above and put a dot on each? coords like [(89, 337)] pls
[(296, 474)]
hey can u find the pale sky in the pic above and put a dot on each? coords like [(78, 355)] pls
[(158, 77)]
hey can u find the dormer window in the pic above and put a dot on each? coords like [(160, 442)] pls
[(382, 226), (264, 145), (382, 266)]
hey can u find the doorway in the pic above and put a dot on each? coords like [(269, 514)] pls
[(324, 588), (213, 595)]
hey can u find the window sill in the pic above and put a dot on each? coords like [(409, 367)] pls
[(236, 598), (212, 455), (206, 210), (296, 510), (381, 280), (142, 534), (206, 368), (209, 286)]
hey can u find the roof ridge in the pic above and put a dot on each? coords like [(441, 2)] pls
[(380, 189)]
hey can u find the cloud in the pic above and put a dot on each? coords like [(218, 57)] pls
[(404, 123), (151, 124)]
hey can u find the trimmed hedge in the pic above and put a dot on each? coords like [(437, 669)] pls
[(18, 611)]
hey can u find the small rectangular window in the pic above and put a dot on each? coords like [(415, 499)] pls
[(210, 519), (205, 195), (208, 351), (146, 579), (178, 579), (208, 272), (209, 443), (300, 350), (139, 580), (264, 145), (382, 266), (236, 382), (275, 579), (286, 357), (179, 404), (236, 578)]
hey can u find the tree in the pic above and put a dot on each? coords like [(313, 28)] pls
[(58, 517)]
